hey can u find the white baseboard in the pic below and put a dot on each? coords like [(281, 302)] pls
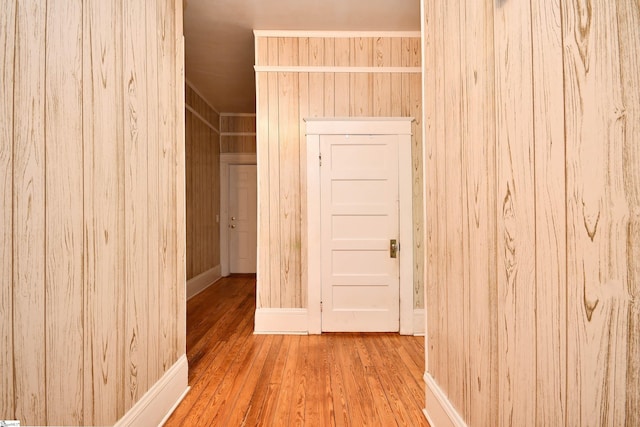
[(202, 281), (418, 322), (439, 411), (292, 321), (155, 407)]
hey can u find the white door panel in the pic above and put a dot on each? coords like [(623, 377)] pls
[(242, 218), (359, 216)]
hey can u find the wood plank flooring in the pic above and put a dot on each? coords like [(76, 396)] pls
[(241, 379)]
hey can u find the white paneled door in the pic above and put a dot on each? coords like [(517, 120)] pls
[(359, 225), (242, 218)]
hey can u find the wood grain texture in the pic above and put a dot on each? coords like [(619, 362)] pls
[(290, 209), (516, 209), (29, 215), (7, 88), (104, 238), (629, 38), (202, 153), (168, 288), (550, 215), (290, 97), (64, 216), (80, 200), (597, 217), (180, 181), (430, 184), (454, 262), (262, 165), (152, 235), (234, 133), (332, 379), (136, 200), (549, 112), (479, 218), (275, 244)]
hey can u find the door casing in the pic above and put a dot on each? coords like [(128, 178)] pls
[(359, 126)]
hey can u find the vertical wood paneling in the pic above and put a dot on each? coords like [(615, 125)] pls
[(305, 54), (180, 182), (263, 140), (29, 215), (442, 351), (7, 46), (550, 222), (342, 84), (283, 100), (415, 111), (136, 200), (382, 97), (629, 38), (316, 86), (329, 78), (431, 186), (274, 179), (64, 219), (361, 84), (550, 170), (166, 181), (102, 206), (479, 211), (396, 78), (453, 207), (154, 371), (80, 200), (597, 218), (516, 208), (289, 215)]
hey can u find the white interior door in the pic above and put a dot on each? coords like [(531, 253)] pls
[(359, 218), (242, 218)]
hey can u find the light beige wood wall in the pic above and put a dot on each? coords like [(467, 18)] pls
[(532, 186), (92, 301), (237, 133), (202, 143), (284, 99)]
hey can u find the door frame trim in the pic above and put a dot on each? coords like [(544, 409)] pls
[(227, 159), (400, 126)]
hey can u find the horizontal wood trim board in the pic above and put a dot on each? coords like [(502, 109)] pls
[(331, 34), (439, 410), (201, 96), (238, 134), (155, 407), (202, 119), (237, 114), (333, 69), (288, 321), (202, 281)]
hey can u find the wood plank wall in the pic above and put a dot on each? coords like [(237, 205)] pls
[(92, 301), (284, 99), (202, 141), (237, 133), (532, 155)]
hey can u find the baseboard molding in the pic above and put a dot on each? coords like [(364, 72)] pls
[(439, 411), (155, 407), (418, 322), (202, 281), (291, 321)]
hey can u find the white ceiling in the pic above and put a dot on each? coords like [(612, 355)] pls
[(219, 52)]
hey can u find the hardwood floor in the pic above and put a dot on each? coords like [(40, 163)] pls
[(241, 379)]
